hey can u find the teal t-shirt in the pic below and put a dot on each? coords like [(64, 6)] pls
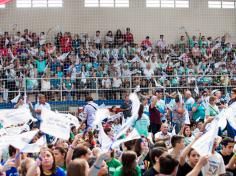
[(41, 65), (199, 113)]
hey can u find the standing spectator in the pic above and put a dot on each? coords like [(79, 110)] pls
[(97, 40), (66, 43), (212, 109), (142, 123), (189, 101), (128, 37), (39, 106), (126, 107), (89, 111), (147, 43), (106, 84), (161, 43), (198, 109), (109, 38), (155, 117), (178, 115), (119, 38)]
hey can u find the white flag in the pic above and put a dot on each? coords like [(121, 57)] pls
[(100, 115), (173, 132), (16, 140), (55, 124), (133, 135), (187, 120), (103, 139), (135, 108), (196, 90), (6, 42), (63, 56), (15, 100), (204, 144), (35, 147), (180, 97), (9, 117), (73, 120)]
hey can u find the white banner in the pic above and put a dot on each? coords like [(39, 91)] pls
[(13, 117), (55, 124), (26, 137)]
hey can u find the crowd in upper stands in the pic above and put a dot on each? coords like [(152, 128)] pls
[(74, 62)]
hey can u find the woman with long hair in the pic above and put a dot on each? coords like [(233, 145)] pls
[(142, 123), (188, 136), (129, 165), (45, 165), (78, 166), (60, 156)]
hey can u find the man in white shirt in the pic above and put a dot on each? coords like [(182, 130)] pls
[(106, 84), (97, 40), (163, 135), (161, 43), (39, 106), (148, 72), (90, 110)]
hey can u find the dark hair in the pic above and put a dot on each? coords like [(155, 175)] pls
[(177, 99), (137, 147), (61, 150), (176, 139), (189, 153), (91, 161), (80, 151), (130, 144), (88, 98), (128, 159), (106, 130), (156, 152), (167, 164), (140, 111), (11, 150), (234, 90), (226, 141), (77, 166), (161, 144)]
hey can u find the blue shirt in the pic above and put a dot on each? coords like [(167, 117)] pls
[(12, 172), (40, 106)]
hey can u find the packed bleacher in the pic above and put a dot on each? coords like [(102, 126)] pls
[(176, 117), (81, 64)]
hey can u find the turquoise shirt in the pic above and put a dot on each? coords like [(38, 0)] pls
[(199, 113), (41, 65), (142, 125)]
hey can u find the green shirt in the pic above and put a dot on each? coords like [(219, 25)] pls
[(113, 165), (119, 172), (212, 111)]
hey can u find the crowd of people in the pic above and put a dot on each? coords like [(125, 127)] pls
[(82, 64), (164, 148)]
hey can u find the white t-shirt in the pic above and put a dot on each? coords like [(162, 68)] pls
[(148, 73), (160, 135), (97, 39), (106, 83), (116, 82), (215, 165)]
